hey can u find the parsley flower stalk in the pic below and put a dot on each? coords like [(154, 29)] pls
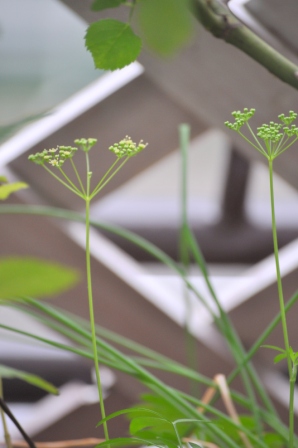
[(53, 160), (271, 140)]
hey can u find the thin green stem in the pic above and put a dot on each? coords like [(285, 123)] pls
[(91, 312), (132, 7), (290, 144), (191, 343), (90, 298), (78, 176), (4, 424), (226, 327), (291, 405), (253, 145), (262, 338), (277, 266), (102, 185), (105, 176), (281, 303), (69, 180), (255, 137), (279, 145), (62, 182)]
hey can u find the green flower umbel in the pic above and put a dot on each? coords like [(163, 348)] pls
[(127, 148), (271, 139), (55, 156)]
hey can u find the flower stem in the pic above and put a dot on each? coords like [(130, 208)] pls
[(101, 185), (291, 406), (62, 181), (282, 310), (278, 275), (90, 301)]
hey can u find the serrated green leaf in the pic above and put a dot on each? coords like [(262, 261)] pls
[(3, 179), (279, 358), (99, 5), (7, 189), (28, 276), (113, 44), (166, 25), (9, 372)]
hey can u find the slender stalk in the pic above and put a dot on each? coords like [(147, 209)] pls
[(277, 266), (286, 147), (262, 338), (191, 343), (77, 176), (254, 136), (3, 418), (226, 327), (105, 176), (282, 309), (252, 144), (291, 405), (101, 185), (69, 180), (90, 300), (62, 181)]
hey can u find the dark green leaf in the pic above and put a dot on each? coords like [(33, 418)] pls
[(7, 189), (113, 44), (99, 5), (27, 276), (166, 25), (8, 372)]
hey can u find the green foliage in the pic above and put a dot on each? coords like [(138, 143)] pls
[(99, 5), (27, 276), (165, 25), (9, 372), (112, 43), (283, 354), (168, 424), (156, 428), (7, 189)]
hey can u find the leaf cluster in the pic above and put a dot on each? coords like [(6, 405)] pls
[(163, 26)]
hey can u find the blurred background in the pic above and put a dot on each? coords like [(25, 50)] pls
[(51, 94)]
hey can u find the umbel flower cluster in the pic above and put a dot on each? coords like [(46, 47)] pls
[(276, 137), (55, 156), (72, 180), (240, 118), (127, 148)]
